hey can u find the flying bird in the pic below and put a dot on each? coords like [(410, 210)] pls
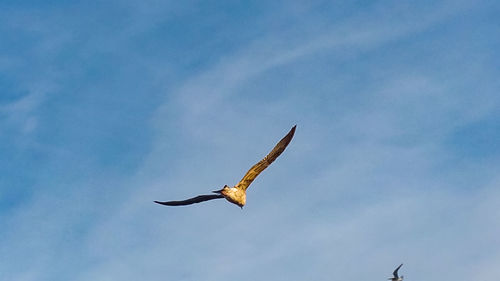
[(396, 276), (237, 193)]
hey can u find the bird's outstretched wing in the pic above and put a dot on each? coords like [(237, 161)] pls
[(193, 200), (395, 273), (264, 163)]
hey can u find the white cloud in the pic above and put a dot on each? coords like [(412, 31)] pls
[(352, 201), (21, 113)]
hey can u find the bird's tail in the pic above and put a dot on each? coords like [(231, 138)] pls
[(220, 190)]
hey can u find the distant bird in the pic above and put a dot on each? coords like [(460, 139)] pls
[(396, 276), (237, 194)]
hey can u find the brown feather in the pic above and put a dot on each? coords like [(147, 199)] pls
[(266, 161)]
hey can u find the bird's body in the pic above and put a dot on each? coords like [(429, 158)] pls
[(234, 195), (396, 277), (237, 193)]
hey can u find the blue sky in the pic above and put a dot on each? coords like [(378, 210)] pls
[(107, 106)]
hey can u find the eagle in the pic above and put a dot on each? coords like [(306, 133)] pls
[(237, 193)]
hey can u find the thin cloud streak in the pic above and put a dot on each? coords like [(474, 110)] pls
[(206, 89), (364, 188)]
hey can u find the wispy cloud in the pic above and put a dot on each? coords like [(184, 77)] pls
[(369, 180)]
